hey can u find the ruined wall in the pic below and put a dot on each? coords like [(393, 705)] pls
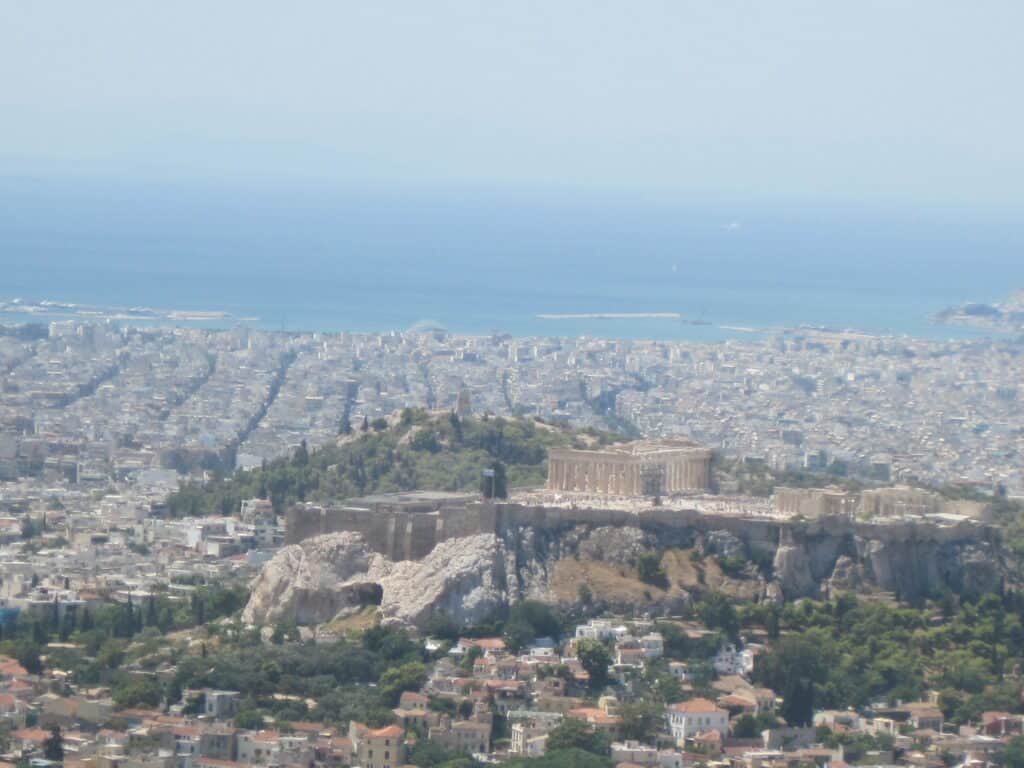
[(816, 557), (402, 535)]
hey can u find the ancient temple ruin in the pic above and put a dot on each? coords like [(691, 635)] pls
[(641, 468)]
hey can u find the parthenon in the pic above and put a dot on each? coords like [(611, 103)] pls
[(641, 468)]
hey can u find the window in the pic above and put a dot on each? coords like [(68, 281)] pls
[(387, 755)]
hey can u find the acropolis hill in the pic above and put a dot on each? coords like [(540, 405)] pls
[(902, 540)]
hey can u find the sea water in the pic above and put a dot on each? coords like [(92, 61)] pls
[(314, 258)]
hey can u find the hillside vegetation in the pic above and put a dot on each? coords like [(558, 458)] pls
[(418, 451)]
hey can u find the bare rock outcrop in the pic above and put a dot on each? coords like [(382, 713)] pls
[(611, 544), (846, 576), (463, 578), (793, 572), (723, 544), (330, 576), (315, 581), (469, 577)]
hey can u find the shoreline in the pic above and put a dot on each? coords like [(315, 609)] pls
[(15, 311), (613, 316)]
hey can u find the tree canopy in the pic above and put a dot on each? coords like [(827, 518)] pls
[(421, 451)]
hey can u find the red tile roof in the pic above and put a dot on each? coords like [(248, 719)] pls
[(695, 706), (392, 731)]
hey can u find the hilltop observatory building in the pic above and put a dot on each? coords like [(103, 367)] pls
[(641, 468)]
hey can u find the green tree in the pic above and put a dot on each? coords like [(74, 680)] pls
[(717, 611), (648, 568), (27, 654), (427, 754), (595, 659), (284, 631), (641, 720), (794, 667), (530, 619), (1013, 753), (584, 595), (573, 733), (406, 677), (249, 720), (517, 634), (53, 745), (301, 455), (563, 758), (138, 692), (111, 654), (750, 726)]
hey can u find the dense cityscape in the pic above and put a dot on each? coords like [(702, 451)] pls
[(111, 598), (558, 384), (102, 404)]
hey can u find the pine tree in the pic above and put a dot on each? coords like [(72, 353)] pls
[(166, 620), (301, 457), (53, 745), (67, 626)]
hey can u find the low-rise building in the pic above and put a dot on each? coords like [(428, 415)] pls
[(377, 748), (690, 718)]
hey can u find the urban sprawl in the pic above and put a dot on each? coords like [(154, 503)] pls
[(99, 423)]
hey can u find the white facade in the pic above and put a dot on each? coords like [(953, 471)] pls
[(653, 645), (692, 718), (730, 661), (600, 629)]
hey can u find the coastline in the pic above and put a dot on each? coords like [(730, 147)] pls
[(643, 326)]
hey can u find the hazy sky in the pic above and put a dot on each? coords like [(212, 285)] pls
[(863, 99)]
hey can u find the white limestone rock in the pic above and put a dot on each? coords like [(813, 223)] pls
[(464, 578), (793, 573), (723, 544), (846, 576), (330, 576), (314, 581), (613, 544)]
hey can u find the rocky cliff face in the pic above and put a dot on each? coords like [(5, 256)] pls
[(334, 575), (467, 578)]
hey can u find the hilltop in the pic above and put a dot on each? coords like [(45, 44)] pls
[(414, 450)]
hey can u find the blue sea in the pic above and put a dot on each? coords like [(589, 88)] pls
[(314, 258)]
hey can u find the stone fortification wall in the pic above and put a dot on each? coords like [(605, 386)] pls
[(911, 556), (403, 535), (892, 502), (398, 534)]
